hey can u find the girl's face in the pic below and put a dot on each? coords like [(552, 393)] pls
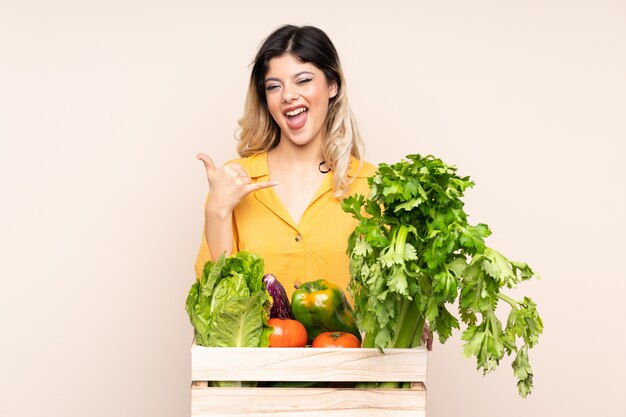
[(297, 95)]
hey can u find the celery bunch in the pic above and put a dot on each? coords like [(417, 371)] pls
[(413, 252)]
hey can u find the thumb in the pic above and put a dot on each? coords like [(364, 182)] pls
[(208, 162)]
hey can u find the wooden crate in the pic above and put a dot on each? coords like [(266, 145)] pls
[(307, 364)]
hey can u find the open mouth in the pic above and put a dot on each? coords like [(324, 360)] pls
[(296, 118), (295, 112)]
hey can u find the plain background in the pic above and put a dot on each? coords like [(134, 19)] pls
[(103, 106)]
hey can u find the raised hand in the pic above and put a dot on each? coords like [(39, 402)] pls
[(229, 184)]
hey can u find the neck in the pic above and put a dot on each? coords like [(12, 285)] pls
[(297, 159)]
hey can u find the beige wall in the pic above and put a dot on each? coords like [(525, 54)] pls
[(103, 106)]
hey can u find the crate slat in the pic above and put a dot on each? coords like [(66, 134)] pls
[(307, 364), (307, 402)]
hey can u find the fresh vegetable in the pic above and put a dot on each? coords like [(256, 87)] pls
[(228, 306), (287, 333), (413, 252), (322, 307), (336, 340), (281, 308)]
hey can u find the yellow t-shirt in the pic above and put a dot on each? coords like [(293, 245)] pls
[(313, 249)]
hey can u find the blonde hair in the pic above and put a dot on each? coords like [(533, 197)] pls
[(259, 132)]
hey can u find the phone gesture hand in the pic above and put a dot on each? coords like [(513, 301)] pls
[(230, 183)]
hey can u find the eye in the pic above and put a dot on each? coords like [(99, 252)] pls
[(304, 80), (271, 87)]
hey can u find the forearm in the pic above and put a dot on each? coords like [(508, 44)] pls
[(218, 230)]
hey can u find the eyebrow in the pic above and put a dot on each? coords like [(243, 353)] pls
[(295, 76)]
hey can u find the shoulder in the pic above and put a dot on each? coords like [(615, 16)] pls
[(360, 169), (359, 173)]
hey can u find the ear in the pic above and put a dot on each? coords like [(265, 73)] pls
[(333, 89)]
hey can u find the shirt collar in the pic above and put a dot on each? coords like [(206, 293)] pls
[(257, 167)]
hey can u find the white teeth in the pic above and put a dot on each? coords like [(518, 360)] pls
[(296, 111)]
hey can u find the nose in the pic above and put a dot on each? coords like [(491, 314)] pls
[(290, 94)]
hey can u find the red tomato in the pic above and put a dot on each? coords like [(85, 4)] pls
[(287, 333), (336, 340)]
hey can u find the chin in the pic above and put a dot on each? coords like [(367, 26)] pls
[(305, 136), (300, 139)]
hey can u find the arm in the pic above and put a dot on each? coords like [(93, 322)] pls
[(218, 228)]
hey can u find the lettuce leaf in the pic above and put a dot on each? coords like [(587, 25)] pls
[(229, 306), (238, 323)]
